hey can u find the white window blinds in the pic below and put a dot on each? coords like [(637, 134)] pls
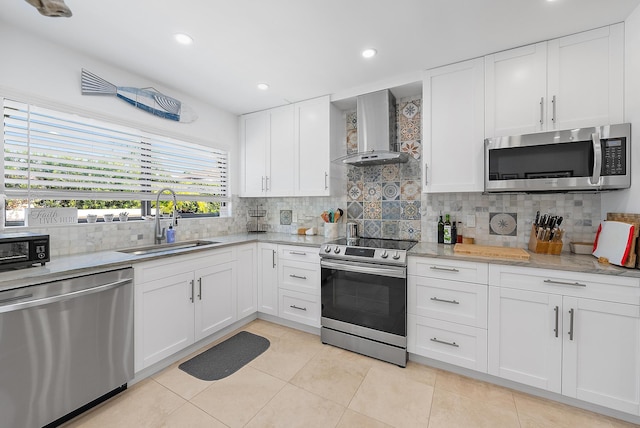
[(59, 156)]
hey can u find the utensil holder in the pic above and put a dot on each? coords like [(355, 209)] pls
[(544, 247), (331, 230)]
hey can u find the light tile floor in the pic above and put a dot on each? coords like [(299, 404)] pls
[(299, 382)]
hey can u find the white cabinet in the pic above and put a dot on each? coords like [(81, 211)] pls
[(447, 311), (287, 151), (267, 153), (181, 300), (299, 284), (573, 81), (453, 128), (268, 278), (247, 290), (566, 332)]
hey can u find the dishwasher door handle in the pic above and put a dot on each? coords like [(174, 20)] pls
[(62, 297)]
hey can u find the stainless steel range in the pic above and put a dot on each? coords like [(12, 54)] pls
[(364, 297)]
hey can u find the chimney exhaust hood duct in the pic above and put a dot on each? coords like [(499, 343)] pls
[(377, 142)]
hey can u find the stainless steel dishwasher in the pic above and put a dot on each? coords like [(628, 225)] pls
[(64, 347)]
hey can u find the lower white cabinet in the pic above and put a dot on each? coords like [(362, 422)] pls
[(247, 291), (300, 307), (447, 311), (181, 300), (562, 338), (268, 278), (299, 284)]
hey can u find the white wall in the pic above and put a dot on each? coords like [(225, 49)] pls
[(629, 200), (37, 71)]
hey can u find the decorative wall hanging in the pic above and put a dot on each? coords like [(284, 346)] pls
[(54, 8), (147, 99)]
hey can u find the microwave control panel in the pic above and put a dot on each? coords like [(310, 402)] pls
[(614, 158)]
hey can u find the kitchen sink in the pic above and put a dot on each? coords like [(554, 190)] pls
[(166, 248)]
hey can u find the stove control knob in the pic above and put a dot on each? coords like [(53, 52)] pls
[(396, 256), (337, 250), (327, 249), (384, 254)]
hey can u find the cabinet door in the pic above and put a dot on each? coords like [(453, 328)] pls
[(522, 330), (247, 269), (312, 120), (515, 89), (167, 317), (215, 298), (279, 179), (601, 354), (254, 143), (453, 128), (268, 279), (585, 78)]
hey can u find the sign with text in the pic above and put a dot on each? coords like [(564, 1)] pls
[(52, 216)]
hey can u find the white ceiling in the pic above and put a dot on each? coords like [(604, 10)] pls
[(301, 48)]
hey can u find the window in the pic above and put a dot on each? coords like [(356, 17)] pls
[(58, 159)]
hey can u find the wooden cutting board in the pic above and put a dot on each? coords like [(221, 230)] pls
[(491, 251), (614, 241)]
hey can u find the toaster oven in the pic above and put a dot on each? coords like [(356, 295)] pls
[(18, 250)]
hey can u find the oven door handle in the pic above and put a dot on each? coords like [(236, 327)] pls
[(391, 271)]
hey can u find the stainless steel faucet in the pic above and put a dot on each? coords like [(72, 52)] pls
[(160, 232)]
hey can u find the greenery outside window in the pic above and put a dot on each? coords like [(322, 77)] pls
[(54, 159)]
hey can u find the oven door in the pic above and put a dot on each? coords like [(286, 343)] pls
[(366, 295)]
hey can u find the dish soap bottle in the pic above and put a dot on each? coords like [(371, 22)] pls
[(171, 235)]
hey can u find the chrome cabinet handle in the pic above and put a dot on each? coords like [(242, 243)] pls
[(426, 179), (200, 288), (266, 181), (444, 269), (557, 311), (192, 290), (297, 307), (433, 339), (273, 257), (541, 110), (571, 312), (298, 253), (296, 276), (553, 103), (455, 302), (262, 183), (326, 185), (575, 284), (597, 158)]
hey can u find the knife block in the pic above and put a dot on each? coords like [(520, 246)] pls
[(543, 247)]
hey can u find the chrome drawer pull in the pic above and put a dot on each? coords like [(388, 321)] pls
[(296, 307), (296, 276), (444, 342), (571, 312), (557, 310), (298, 253), (445, 269), (435, 299), (575, 284)]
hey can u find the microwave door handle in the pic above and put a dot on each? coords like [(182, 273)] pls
[(597, 158)]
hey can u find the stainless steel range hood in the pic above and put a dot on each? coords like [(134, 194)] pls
[(377, 141)]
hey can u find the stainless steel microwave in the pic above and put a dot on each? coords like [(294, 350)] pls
[(585, 159)]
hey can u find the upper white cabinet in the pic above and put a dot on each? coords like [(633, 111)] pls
[(268, 152), (287, 151), (573, 81), (453, 128)]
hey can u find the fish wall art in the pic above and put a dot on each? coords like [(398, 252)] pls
[(53, 8), (147, 99)]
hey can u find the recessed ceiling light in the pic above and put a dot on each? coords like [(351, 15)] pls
[(183, 39), (368, 53), (263, 86)]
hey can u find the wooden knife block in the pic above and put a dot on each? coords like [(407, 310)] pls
[(543, 247)]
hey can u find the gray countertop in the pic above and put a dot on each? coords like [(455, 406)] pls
[(85, 264)]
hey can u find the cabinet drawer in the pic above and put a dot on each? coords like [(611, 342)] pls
[(577, 284), (451, 343), (302, 254), (459, 302), (300, 307), (300, 276), (456, 270)]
